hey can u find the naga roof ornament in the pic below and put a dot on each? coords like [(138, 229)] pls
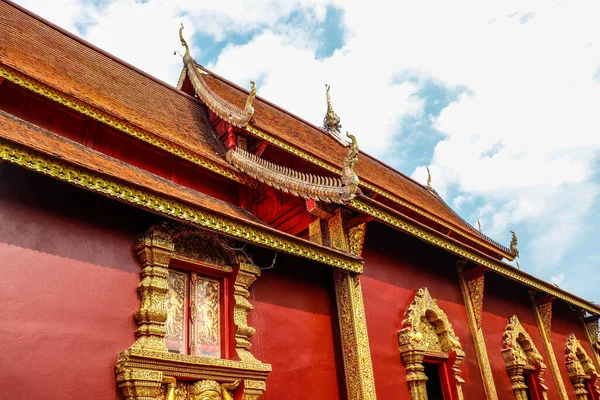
[(513, 244), (331, 122), (308, 186), (225, 110)]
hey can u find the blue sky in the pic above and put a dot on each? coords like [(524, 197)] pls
[(499, 99)]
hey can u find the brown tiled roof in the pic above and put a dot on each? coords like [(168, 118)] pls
[(78, 69), (62, 61), (301, 134)]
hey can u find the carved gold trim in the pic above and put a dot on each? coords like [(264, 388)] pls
[(580, 367), (519, 352), (247, 274), (173, 208), (472, 291), (404, 224), (425, 330), (543, 318), (358, 369), (314, 160), (120, 125), (592, 334)]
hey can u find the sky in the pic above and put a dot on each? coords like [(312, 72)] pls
[(500, 99)]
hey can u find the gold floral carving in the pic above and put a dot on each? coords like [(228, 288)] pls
[(173, 208), (427, 330), (543, 318), (121, 125), (580, 368), (142, 368), (316, 161), (246, 276), (225, 110), (356, 238), (402, 223), (358, 369), (205, 314), (519, 353), (472, 291), (592, 333)]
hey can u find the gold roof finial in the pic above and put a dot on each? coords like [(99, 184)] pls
[(184, 43), (513, 244), (479, 224), (331, 122), (428, 178)]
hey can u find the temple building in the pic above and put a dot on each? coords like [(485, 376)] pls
[(199, 242)]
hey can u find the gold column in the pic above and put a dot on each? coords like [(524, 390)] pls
[(358, 370), (472, 290), (542, 310)]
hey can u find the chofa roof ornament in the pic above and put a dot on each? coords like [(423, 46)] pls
[(225, 110), (513, 244), (331, 122)]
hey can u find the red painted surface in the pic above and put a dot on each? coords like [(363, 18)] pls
[(396, 266), (68, 288), (564, 322), (296, 331), (503, 299)]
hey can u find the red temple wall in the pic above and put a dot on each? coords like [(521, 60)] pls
[(564, 322), (68, 288), (502, 299), (396, 266), (296, 332)]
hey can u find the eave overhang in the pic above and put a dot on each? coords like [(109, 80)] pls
[(37, 149), (407, 225)]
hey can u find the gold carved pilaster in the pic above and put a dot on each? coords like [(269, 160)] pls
[(154, 250), (519, 352), (358, 370), (329, 228), (472, 289), (247, 274), (138, 384), (542, 310), (427, 330)]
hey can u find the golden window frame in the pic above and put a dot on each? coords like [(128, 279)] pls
[(580, 368), (520, 354), (426, 331)]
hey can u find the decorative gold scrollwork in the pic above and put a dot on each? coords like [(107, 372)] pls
[(426, 330), (519, 353), (580, 368)]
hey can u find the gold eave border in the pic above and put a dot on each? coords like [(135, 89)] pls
[(413, 228), (44, 90), (172, 208), (314, 160)]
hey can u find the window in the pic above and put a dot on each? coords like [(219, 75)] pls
[(434, 383), (196, 323)]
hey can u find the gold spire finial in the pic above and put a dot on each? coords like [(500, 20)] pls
[(428, 178), (184, 43), (513, 244), (331, 122)]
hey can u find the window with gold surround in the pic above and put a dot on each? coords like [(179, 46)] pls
[(192, 337)]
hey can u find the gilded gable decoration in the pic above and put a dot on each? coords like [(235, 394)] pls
[(225, 110), (426, 330), (150, 369), (520, 354), (314, 187), (581, 369)]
